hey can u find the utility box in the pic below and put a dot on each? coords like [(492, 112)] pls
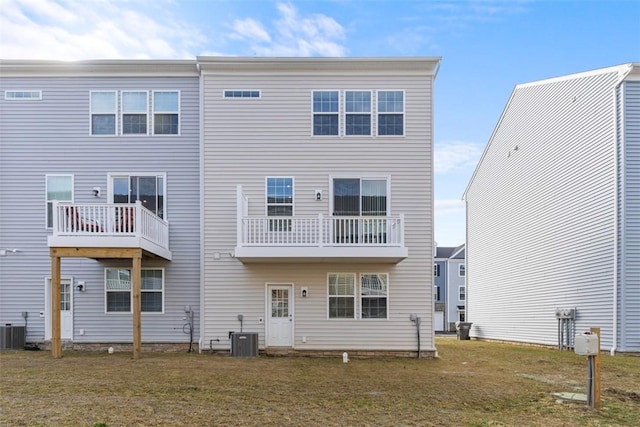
[(586, 344), (244, 344), (12, 337)]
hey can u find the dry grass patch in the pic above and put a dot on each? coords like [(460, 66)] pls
[(471, 383)]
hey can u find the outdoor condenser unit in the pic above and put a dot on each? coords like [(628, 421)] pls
[(11, 337), (244, 344)]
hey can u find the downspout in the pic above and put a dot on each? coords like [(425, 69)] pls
[(201, 188), (619, 194)]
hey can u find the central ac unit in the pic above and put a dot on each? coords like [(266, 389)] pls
[(244, 344)]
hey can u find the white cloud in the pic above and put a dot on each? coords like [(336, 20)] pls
[(74, 30), (456, 156), (293, 34)]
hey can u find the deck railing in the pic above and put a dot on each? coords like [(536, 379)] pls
[(322, 231), (110, 220)]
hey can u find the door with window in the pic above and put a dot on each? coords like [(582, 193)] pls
[(280, 316), (359, 197), (149, 190), (66, 309)]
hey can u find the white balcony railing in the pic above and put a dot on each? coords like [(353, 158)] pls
[(321, 231), (109, 220)]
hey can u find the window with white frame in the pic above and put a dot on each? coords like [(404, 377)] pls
[(462, 292), (103, 112), (462, 270), (59, 188), (134, 112), (357, 112), (279, 193), (22, 95), (118, 290), (436, 293), (326, 112), (390, 112), (148, 189), (373, 295), (341, 295), (166, 112), (461, 315), (436, 270)]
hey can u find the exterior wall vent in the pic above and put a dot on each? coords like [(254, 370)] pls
[(244, 344)]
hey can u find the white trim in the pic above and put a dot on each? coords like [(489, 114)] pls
[(355, 299), (267, 309), (361, 297), (345, 113), (154, 112), (123, 112), (46, 195), (15, 92), (110, 313), (462, 266), (462, 288), (48, 308), (224, 93), (359, 176), (112, 175), (266, 192), (115, 112), (313, 113), (378, 113)]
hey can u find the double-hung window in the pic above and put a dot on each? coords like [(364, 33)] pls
[(462, 292), (326, 113), (436, 270), (462, 270), (373, 295), (341, 295), (166, 112), (103, 113), (279, 194), (357, 113), (390, 112), (59, 188), (118, 290), (134, 112)]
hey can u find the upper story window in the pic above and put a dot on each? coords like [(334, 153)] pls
[(357, 113), (326, 112), (103, 113), (166, 112), (118, 290), (134, 112), (279, 192), (462, 270), (22, 95), (59, 188), (242, 94), (436, 270), (341, 294), (390, 112), (462, 294), (373, 293)]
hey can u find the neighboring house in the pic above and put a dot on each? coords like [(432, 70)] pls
[(318, 203), (449, 287), (99, 173), (553, 213)]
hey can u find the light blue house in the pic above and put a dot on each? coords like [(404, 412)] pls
[(449, 271)]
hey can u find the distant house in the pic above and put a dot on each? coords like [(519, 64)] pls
[(99, 183), (553, 212), (318, 203), (449, 270)]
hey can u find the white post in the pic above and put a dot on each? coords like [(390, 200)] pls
[(239, 215), (137, 220), (320, 230), (56, 223), (401, 231)]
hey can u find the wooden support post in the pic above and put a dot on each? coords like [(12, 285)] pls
[(596, 372), (56, 343), (136, 278)]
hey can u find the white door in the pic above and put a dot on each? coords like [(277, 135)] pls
[(438, 321), (66, 312), (280, 315)]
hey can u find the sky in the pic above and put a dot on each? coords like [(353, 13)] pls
[(487, 48)]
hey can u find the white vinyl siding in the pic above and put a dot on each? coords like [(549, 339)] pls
[(549, 205)]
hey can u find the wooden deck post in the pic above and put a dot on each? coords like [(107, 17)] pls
[(136, 277), (56, 343)]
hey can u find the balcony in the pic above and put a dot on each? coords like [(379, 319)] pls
[(111, 225), (318, 239)]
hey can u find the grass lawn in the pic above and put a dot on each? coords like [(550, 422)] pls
[(472, 383)]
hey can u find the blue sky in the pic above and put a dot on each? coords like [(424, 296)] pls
[(487, 47)]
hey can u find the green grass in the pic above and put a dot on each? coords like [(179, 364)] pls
[(472, 383)]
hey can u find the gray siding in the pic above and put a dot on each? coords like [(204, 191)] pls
[(544, 194), (246, 140), (629, 250), (51, 136)]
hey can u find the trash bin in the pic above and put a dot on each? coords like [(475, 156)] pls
[(462, 330)]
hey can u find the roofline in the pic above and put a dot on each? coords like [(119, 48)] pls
[(226, 64), (631, 70), (110, 67)]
